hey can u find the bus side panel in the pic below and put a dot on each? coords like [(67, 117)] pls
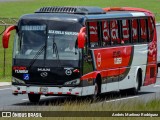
[(127, 81), (112, 80), (114, 65), (140, 59), (151, 72), (111, 58)]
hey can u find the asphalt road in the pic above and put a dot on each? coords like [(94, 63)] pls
[(11, 102)]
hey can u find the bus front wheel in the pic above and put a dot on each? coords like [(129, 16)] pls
[(95, 95), (34, 97), (97, 88)]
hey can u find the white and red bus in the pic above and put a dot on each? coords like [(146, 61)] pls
[(111, 49)]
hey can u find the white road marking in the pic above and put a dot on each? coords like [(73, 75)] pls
[(122, 99), (157, 86), (25, 99), (28, 99), (5, 89)]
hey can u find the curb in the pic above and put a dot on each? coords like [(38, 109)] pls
[(5, 83)]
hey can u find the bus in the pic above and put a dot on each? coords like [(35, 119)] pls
[(111, 49), (158, 45)]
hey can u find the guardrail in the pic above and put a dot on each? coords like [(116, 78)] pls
[(4, 22), (8, 21)]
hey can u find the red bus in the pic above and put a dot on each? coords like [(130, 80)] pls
[(83, 51)]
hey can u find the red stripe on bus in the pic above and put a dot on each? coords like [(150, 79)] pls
[(76, 93), (68, 93), (16, 91), (59, 92), (24, 92)]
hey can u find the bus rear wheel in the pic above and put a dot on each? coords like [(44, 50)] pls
[(34, 98), (134, 91)]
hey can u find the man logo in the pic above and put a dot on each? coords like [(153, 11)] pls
[(44, 69), (44, 74)]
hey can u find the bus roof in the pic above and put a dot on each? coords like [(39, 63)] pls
[(71, 10), (54, 16), (110, 13), (116, 14), (108, 9), (121, 12)]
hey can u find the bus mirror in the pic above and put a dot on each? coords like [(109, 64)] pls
[(81, 38), (6, 36)]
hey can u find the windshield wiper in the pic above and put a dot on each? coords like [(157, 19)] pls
[(55, 50), (37, 55)]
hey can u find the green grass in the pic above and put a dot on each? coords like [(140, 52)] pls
[(85, 105), (18, 8)]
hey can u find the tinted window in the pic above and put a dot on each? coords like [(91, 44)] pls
[(114, 32), (93, 34), (134, 31), (151, 28), (125, 31), (143, 36), (106, 33)]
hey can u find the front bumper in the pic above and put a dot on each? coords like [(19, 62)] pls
[(17, 89)]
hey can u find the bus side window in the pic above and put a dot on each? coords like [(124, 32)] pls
[(93, 34), (87, 63), (143, 28), (94, 44), (134, 31), (106, 33), (125, 32), (115, 39), (151, 28)]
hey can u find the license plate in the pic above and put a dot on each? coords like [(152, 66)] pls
[(44, 89)]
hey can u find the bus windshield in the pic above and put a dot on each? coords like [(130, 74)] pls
[(62, 45), (53, 40), (29, 41)]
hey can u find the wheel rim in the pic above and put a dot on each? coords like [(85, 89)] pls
[(136, 85), (95, 89)]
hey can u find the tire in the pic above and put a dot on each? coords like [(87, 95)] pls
[(134, 91), (34, 98), (96, 88)]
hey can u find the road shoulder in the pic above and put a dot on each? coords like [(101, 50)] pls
[(5, 83)]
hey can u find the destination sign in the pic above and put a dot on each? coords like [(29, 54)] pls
[(34, 27)]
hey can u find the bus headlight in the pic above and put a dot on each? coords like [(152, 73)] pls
[(73, 82), (17, 81)]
